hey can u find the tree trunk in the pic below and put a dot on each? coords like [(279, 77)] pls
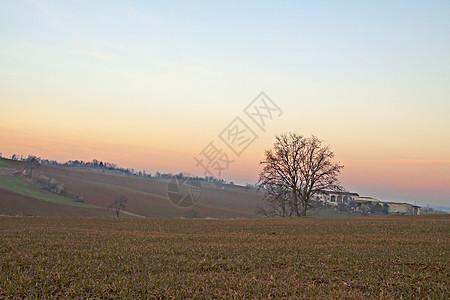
[(304, 208), (297, 212)]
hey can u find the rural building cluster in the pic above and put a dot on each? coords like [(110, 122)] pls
[(358, 203)]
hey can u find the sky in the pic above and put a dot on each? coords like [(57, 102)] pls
[(151, 84)]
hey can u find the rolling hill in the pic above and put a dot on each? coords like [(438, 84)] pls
[(148, 197)]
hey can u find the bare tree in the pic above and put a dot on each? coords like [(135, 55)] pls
[(299, 167), (32, 164), (275, 202), (119, 204)]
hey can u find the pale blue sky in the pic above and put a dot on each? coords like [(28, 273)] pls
[(371, 78)]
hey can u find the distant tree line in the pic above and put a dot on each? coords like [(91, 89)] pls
[(107, 167), (80, 164)]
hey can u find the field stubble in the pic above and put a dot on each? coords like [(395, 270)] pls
[(386, 257)]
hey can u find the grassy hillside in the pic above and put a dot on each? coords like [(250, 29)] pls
[(8, 163), (20, 197), (398, 257), (20, 186)]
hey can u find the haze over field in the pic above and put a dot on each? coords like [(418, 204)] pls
[(149, 85)]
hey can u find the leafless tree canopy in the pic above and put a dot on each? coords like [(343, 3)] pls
[(31, 164), (119, 204), (294, 170)]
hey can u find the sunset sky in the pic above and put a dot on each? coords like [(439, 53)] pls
[(149, 84)]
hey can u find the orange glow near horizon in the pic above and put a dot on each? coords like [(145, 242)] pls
[(414, 178), (382, 178)]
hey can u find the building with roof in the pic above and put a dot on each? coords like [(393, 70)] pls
[(403, 208), (358, 203), (334, 198), (392, 207)]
